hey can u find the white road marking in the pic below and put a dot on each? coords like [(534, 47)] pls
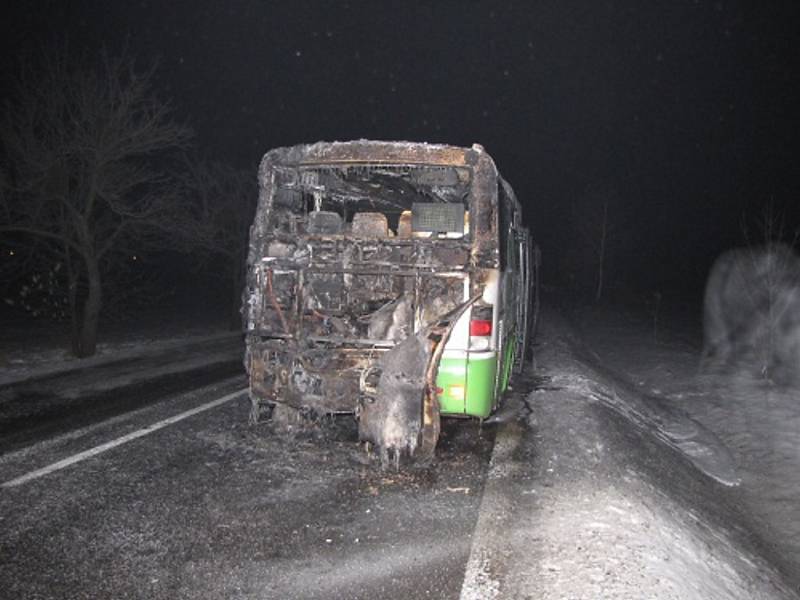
[(479, 580), (75, 458)]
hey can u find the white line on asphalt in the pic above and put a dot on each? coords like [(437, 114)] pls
[(479, 581), (75, 458)]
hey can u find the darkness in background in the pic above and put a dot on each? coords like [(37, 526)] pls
[(684, 115)]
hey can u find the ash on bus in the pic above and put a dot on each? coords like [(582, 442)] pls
[(391, 280)]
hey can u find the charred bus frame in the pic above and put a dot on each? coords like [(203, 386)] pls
[(392, 280)]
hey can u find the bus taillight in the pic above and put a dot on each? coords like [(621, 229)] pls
[(480, 328)]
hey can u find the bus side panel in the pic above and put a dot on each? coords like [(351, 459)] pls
[(481, 373), (467, 384), (508, 361), (452, 380)]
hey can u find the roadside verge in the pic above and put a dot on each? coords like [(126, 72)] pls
[(582, 502)]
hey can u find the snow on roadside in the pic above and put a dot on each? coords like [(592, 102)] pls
[(672, 426), (757, 421), (586, 501), (21, 364), (761, 424)]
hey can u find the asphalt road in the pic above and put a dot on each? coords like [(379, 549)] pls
[(209, 507), (35, 409), (173, 495)]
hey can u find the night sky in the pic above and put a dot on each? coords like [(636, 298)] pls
[(682, 116)]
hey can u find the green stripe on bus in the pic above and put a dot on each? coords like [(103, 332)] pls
[(467, 386), (511, 347)]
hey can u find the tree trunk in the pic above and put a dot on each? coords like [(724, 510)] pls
[(235, 314), (74, 314), (91, 309)]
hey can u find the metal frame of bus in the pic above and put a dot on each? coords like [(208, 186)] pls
[(316, 285)]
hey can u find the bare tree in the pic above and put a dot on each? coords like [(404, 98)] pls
[(220, 207), (84, 184), (773, 257)]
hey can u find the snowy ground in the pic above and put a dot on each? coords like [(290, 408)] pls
[(625, 473), (44, 390), (758, 423), (30, 348), (598, 489)]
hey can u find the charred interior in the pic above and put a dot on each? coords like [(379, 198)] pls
[(356, 246)]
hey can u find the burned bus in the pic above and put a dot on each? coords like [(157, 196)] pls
[(391, 280)]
